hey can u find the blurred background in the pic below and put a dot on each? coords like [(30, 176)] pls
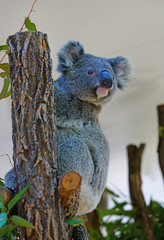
[(106, 28)]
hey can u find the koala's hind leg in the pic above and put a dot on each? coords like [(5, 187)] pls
[(5, 194), (9, 190), (74, 155)]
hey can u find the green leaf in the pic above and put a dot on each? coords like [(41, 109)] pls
[(7, 94), (21, 222), (29, 25), (2, 205), (5, 67), (3, 74), (161, 131), (5, 88), (1, 183), (3, 219), (111, 192), (94, 235), (13, 238), (6, 229), (17, 197), (4, 47), (75, 221)]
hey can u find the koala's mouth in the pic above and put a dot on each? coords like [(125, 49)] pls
[(102, 92)]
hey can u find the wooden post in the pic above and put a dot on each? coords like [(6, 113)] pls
[(160, 110), (34, 136), (137, 198)]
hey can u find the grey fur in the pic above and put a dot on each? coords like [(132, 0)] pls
[(85, 84), (10, 181)]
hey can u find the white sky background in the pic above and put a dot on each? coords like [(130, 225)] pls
[(106, 28)]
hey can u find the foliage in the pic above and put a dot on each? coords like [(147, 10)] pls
[(1, 183), (8, 223), (119, 221), (4, 67), (161, 131), (75, 221)]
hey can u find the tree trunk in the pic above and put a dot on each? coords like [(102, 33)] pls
[(137, 198), (34, 136), (160, 110)]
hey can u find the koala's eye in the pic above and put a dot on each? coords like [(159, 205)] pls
[(90, 71)]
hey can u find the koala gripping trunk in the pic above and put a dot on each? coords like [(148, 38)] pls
[(34, 136)]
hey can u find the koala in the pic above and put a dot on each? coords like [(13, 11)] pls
[(85, 84)]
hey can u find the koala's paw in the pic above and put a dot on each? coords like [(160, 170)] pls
[(6, 195)]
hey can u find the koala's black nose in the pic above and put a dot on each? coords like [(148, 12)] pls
[(106, 79)]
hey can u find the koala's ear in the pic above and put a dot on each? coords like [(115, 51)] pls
[(68, 55), (122, 69)]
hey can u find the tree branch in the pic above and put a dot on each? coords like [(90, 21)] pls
[(160, 110), (137, 198)]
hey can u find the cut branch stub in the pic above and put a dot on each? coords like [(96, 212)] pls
[(69, 188), (34, 135)]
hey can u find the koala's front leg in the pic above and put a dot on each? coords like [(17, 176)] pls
[(74, 155)]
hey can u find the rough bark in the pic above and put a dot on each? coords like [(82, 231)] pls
[(160, 110), (137, 198), (34, 136)]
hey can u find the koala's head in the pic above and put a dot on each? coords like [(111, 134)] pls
[(90, 78)]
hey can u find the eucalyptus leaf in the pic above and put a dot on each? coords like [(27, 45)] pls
[(161, 131), (1, 183), (5, 88), (2, 205), (4, 47), (93, 235), (5, 67), (7, 94), (3, 219), (75, 221), (29, 25), (111, 192), (6, 229), (21, 222), (3, 74)]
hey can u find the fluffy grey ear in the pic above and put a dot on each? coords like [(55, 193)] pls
[(68, 55), (122, 69)]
